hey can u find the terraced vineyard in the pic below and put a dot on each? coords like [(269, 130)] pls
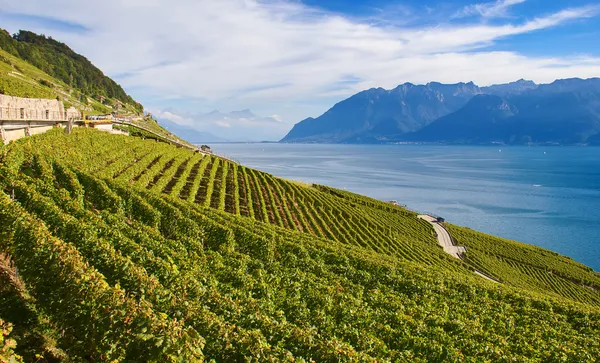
[(321, 211), (218, 183), (528, 266), (115, 248)]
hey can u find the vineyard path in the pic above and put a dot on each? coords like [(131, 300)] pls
[(449, 247)]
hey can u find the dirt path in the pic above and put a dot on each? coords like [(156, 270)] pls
[(449, 247)]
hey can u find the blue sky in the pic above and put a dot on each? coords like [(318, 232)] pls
[(291, 59)]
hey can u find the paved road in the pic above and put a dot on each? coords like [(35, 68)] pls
[(443, 237), (445, 241)]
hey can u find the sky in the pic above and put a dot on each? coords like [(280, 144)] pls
[(286, 60)]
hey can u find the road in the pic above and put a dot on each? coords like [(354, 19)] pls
[(445, 241), (444, 238)]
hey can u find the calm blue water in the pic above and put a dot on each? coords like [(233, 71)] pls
[(551, 200)]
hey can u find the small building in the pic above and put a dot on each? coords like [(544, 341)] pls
[(205, 148), (99, 117)]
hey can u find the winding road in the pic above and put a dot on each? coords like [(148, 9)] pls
[(449, 247)]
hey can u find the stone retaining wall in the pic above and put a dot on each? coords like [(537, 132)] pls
[(18, 108)]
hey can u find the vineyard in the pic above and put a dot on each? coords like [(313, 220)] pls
[(120, 249), (210, 181), (528, 266)]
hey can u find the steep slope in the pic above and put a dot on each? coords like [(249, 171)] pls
[(564, 112), (61, 62), (483, 119), (173, 267), (319, 211), (379, 115), (19, 78)]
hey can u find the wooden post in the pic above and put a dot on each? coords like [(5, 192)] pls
[(69, 127)]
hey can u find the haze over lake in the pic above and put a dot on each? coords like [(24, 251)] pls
[(547, 196)]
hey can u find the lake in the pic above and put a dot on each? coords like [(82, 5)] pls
[(546, 196)]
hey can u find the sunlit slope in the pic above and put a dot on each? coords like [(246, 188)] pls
[(111, 255), (214, 182), (21, 79), (528, 266), (320, 211)]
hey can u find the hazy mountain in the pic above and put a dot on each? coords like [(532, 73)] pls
[(565, 112), (512, 88), (190, 134), (478, 120), (216, 126), (379, 114)]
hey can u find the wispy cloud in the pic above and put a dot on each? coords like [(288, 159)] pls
[(495, 9), (222, 123), (285, 58), (173, 117), (237, 125)]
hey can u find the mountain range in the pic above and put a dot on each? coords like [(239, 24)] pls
[(564, 112), (235, 126), (191, 134)]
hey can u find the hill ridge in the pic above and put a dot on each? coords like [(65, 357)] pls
[(414, 113)]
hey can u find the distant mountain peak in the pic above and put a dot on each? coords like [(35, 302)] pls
[(245, 113), (517, 112), (512, 88), (378, 112), (562, 112)]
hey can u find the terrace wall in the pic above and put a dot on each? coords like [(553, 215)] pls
[(18, 108)]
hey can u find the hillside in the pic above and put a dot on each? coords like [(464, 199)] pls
[(117, 248), (29, 69), (61, 62), (563, 112), (481, 121), (20, 78)]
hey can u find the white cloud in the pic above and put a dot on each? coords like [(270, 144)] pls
[(172, 117), (222, 123), (284, 57), (495, 9)]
